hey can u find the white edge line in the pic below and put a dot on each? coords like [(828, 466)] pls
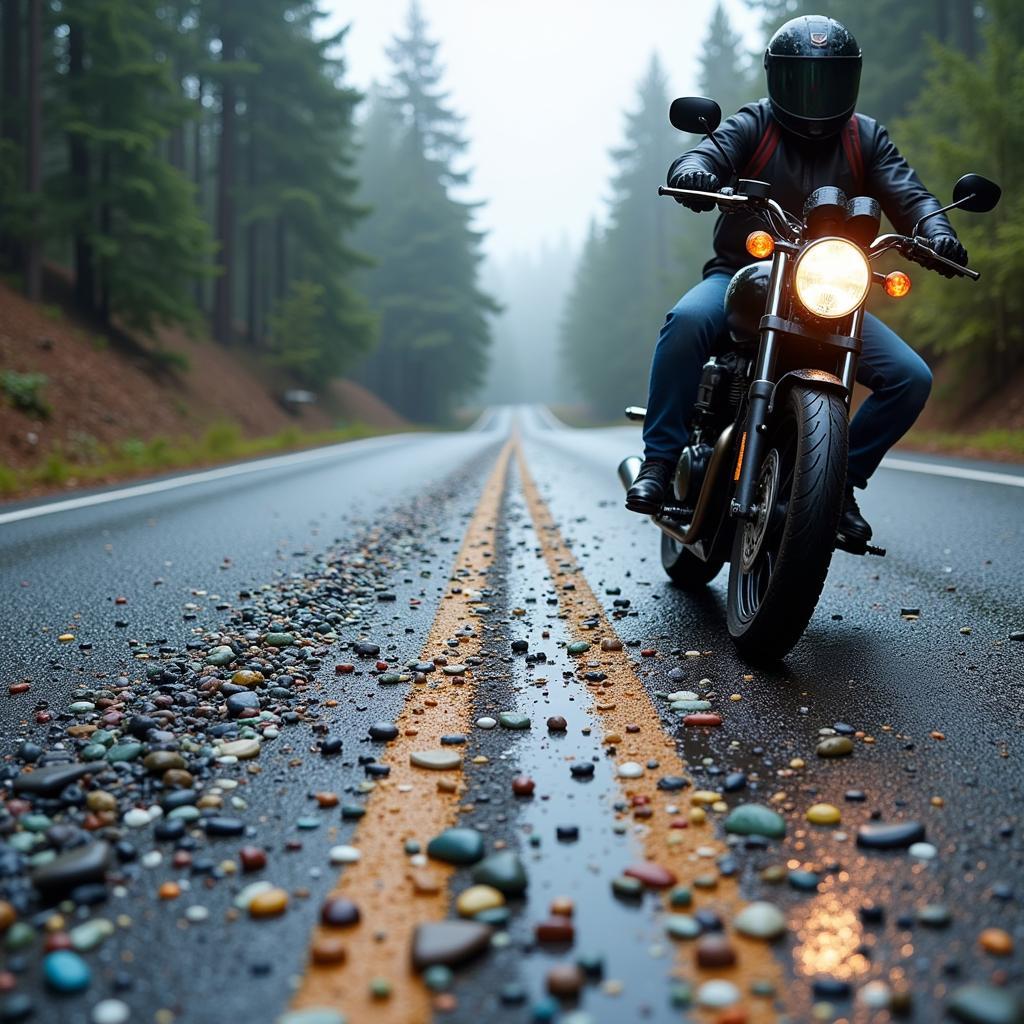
[(219, 473), (933, 469)]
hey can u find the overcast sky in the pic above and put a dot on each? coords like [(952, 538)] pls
[(543, 85)]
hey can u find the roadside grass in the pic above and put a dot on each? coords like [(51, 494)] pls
[(1007, 444), (87, 462)]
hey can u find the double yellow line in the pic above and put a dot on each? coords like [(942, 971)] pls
[(411, 804)]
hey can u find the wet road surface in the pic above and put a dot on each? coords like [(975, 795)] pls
[(197, 647)]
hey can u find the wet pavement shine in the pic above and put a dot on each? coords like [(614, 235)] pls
[(420, 731)]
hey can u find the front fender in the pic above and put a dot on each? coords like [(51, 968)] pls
[(821, 379)]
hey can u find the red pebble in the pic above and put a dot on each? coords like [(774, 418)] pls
[(651, 874), (120, 600), (679, 823), (55, 941), (252, 858), (344, 670), (523, 785), (702, 718), (16, 688), (382, 666), (555, 929), (8, 981), (182, 859), (648, 652), (42, 717)]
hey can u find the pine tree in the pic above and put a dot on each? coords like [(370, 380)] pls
[(725, 72), (434, 316), (138, 239), (894, 37), (632, 270), (950, 130)]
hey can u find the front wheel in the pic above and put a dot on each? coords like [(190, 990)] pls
[(780, 558), (684, 568)]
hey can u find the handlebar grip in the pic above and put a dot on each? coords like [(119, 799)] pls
[(920, 250)]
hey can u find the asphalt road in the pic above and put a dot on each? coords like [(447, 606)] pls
[(360, 543)]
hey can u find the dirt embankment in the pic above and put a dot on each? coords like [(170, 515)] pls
[(99, 395)]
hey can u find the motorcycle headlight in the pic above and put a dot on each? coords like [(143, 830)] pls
[(832, 277)]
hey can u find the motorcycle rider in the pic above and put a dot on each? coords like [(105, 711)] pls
[(804, 135)]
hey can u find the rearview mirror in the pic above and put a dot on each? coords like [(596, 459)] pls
[(696, 114), (975, 193)]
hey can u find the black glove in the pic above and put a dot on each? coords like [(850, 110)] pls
[(702, 181), (949, 247)]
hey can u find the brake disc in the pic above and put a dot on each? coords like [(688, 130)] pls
[(755, 531)]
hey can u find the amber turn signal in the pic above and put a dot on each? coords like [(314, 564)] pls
[(760, 244), (897, 284)]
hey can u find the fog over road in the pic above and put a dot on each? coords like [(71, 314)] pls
[(256, 695)]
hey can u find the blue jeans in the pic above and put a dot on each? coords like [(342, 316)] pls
[(898, 377)]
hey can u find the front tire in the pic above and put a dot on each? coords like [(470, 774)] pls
[(685, 569), (780, 560)]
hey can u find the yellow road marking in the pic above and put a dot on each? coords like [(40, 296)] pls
[(622, 703), (380, 883)]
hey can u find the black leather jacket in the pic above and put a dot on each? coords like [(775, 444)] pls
[(861, 161)]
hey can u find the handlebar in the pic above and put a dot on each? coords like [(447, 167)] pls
[(915, 249), (918, 250), (721, 198)]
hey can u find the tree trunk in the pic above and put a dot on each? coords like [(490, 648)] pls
[(223, 298), (252, 248), (80, 167), (10, 25), (281, 259), (34, 249), (106, 229), (10, 103), (197, 177)]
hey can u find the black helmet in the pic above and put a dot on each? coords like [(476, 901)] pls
[(813, 66)]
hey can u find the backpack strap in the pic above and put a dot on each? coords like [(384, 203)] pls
[(852, 149), (764, 152)]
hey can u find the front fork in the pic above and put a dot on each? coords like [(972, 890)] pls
[(754, 439)]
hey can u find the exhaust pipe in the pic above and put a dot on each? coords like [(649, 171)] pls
[(628, 469)]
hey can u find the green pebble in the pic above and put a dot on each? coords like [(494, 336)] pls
[(352, 812), (390, 678), (986, 1004), (279, 639), (496, 916), (124, 752), (412, 847), (81, 707), (762, 987), (93, 752), (86, 937), (185, 813), (222, 655), (705, 881), (308, 823), (19, 936), (755, 820), (681, 995), (626, 887), (835, 746), (513, 720), (438, 978), (457, 846), (681, 896), (35, 822), (380, 988), (682, 926), (579, 647), (686, 706)]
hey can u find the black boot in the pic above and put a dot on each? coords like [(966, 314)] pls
[(651, 487), (853, 527)]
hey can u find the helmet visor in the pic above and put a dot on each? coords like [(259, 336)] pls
[(815, 88)]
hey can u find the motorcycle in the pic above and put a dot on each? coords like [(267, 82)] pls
[(762, 482)]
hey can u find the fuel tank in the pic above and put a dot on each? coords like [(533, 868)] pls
[(745, 301)]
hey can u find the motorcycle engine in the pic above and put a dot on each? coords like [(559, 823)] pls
[(690, 472)]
